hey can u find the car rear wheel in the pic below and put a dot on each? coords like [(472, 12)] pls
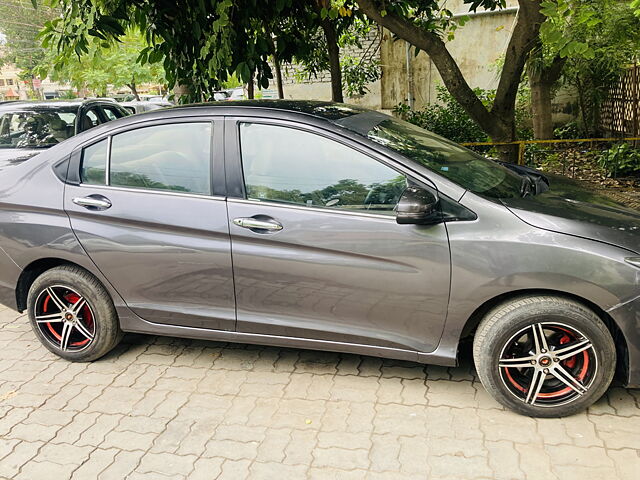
[(72, 314), (544, 356)]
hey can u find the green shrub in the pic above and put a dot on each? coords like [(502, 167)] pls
[(620, 159), (569, 131), (448, 119)]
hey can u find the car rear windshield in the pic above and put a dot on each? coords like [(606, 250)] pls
[(36, 128), (458, 164)]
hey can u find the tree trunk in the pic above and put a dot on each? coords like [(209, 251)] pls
[(251, 90), (542, 79), (134, 90), (278, 68), (276, 65), (499, 121), (541, 110), (179, 91), (334, 59)]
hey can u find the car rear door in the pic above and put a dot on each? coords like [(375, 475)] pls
[(317, 252), (149, 212)]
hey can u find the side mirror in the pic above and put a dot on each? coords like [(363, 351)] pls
[(417, 206)]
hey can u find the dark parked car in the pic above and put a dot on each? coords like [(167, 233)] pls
[(324, 226), (28, 127)]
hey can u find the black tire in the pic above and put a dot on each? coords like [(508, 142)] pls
[(90, 334), (506, 355)]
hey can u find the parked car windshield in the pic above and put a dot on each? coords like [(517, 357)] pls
[(460, 165), (36, 128)]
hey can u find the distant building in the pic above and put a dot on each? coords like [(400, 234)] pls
[(10, 84), (12, 88)]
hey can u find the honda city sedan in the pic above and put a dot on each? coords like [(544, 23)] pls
[(324, 226)]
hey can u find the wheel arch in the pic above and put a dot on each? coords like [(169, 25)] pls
[(33, 271), (620, 341)]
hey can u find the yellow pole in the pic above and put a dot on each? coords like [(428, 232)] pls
[(521, 146)]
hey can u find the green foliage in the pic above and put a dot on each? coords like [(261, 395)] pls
[(598, 39), (202, 45), (104, 64), (621, 159), (448, 119), (581, 15), (67, 95), (351, 28), (569, 130), (357, 74), (231, 82)]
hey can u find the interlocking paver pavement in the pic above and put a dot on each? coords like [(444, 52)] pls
[(167, 408)]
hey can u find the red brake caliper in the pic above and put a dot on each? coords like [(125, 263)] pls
[(569, 363), (86, 316)]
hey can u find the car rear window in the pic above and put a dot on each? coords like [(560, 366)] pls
[(94, 164)]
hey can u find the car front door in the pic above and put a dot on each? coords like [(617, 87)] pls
[(148, 213), (317, 252)]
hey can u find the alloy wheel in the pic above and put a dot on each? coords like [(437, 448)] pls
[(65, 318), (548, 364)]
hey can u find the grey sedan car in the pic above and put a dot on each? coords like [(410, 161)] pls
[(324, 226)]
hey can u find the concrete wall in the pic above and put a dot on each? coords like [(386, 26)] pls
[(477, 48), (322, 91), (319, 88)]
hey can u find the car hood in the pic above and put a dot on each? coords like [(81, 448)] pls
[(570, 207), (15, 156)]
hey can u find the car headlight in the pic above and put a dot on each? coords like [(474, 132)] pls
[(635, 261)]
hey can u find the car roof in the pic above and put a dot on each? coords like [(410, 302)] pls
[(321, 109)]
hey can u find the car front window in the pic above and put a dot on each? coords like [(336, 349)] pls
[(36, 128), (287, 165), (458, 164)]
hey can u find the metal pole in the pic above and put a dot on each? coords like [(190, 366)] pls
[(409, 76), (521, 147)]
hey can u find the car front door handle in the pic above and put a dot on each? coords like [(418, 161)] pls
[(93, 202), (257, 224)]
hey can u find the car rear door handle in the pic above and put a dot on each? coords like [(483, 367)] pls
[(256, 224), (93, 202)]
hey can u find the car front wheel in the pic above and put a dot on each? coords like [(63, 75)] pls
[(72, 314), (544, 356)]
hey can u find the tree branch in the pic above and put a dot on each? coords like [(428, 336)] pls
[(554, 71), (451, 75), (523, 39)]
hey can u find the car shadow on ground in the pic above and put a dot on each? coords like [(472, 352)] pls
[(441, 386)]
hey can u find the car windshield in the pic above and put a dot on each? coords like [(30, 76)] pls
[(36, 128), (460, 165)]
